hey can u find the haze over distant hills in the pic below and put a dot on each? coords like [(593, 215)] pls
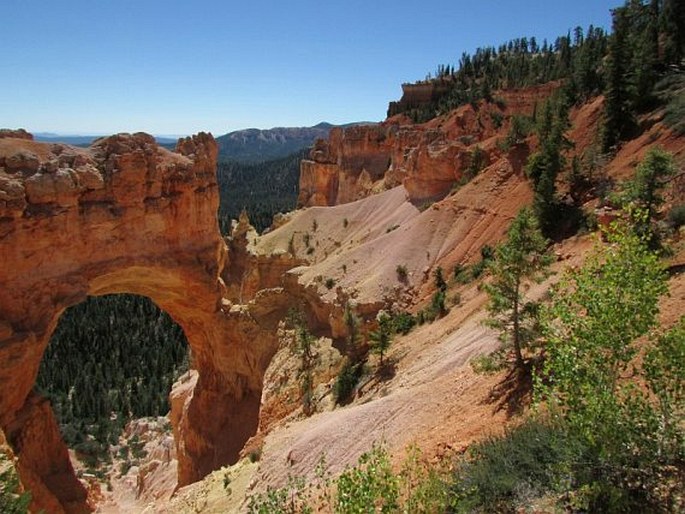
[(247, 145), (86, 140), (254, 145)]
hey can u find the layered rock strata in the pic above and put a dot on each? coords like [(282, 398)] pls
[(123, 216), (358, 161)]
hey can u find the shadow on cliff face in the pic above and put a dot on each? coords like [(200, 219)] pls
[(111, 359)]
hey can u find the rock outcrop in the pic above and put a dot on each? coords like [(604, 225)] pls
[(121, 216), (428, 159), (358, 161), (419, 95)]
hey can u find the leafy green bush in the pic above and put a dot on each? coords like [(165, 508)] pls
[(477, 269), (462, 274), (634, 435), (371, 486), (488, 364)]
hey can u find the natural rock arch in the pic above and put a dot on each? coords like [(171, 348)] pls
[(123, 216)]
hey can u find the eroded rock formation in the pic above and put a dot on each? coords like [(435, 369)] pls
[(362, 160), (428, 159), (121, 216)]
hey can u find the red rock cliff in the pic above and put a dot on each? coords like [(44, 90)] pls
[(121, 216), (427, 159)]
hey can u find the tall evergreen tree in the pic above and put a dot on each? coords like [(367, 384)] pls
[(618, 117), (544, 166), (522, 258), (381, 338), (645, 190), (672, 22)]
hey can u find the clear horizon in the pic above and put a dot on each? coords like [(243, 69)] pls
[(79, 67)]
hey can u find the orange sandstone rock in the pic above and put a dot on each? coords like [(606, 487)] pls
[(121, 216)]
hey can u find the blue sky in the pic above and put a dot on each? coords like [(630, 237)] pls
[(171, 67)]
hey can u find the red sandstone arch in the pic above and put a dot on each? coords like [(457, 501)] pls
[(123, 216)]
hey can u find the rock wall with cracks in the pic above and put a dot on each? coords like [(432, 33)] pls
[(123, 216)]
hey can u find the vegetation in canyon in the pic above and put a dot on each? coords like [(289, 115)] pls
[(606, 427), (111, 359), (261, 188)]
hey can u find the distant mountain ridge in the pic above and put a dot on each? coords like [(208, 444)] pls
[(255, 145), (86, 140), (250, 145)]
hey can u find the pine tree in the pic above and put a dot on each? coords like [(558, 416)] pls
[(522, 258), (618, 117), (351, 320), (381, 338), (673, 25), (544, 166), (644, 191)]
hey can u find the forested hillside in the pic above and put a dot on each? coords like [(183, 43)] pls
[(647, 39), (255, 145), (262, 189), (111, 358)]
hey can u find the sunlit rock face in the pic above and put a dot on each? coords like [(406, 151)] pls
[(123, 216), (358, 161)]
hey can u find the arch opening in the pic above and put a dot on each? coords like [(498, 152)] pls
[(111, 359)]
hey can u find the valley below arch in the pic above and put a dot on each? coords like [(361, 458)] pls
[(123, 216)]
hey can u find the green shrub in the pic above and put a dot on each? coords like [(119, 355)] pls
[(477, 269), (371, 486), (505, 473), (463, 274), (12, 501), (520, 127), (455, 299), (488, 364), (255, 455), (497, 118), (347, 381), (487, 252), (401, 271), (676, 217), (477, 158), (294, 498), (403, 322), (675, 113), (437, 307)]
